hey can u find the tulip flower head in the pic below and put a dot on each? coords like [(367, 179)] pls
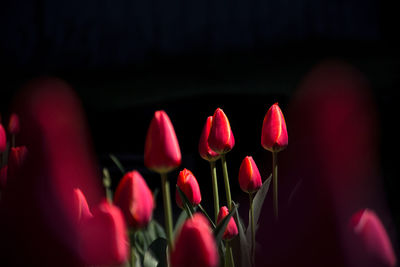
[(249, 176), (3, 139), (187, 182), (372, 238), (161, 153), (135, 200), (274, 135), (231, 229), (195, 244), (82, 208), (16, 159), (13, 124), (104, 239), (221, 138), (204, 149)]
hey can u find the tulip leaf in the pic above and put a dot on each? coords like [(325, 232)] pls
[(220, 229), (244, 245), (181, 219), (258, 202), (187, 206), (156, 254), (202, 210), (117, 163)]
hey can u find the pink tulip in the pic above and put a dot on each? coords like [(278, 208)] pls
[(274, 135), (249, 176), (187, 182), (13, 124), (204, 149), (161, 153), (135, 200), (231, 229), (82, 208), (221, 138), (16, 159), (195, 244), (3, 139), (104, 239)]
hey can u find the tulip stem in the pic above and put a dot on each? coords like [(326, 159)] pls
[(229, 262), (167, 208), (215, 189), (226, 180), (275, 183), (133, 248), (253, 234)]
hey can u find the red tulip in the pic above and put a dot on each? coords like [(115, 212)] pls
[(3, 139), (221, 138), (372, 238), (249, 176), (195, 244), (187, 182), (104, 239), (204, 149), (13, 124), (274, 135), (231, 230), (135, 200), (161, 152), (16, 159), (82, 208), (3, 177)]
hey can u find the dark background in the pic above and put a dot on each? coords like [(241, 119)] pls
[(128, 58)]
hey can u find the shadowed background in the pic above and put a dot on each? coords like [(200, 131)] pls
[(126, 59)]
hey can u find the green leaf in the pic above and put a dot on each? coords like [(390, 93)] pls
[(244, 245), (117, 163), (181, 219), (258, 202), (220, 229), (187, 206), (156, 255), (206, 214)]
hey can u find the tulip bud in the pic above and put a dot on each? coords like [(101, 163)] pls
[(195, 244), (221, 138), (135, 200), (3, 177), (231, 229), (82, 211), (204, 149), (13, 124), (3, 139), (16, 159), (161, 152), (249, 176), (274, 135), (187, 182), (104, 239), (372, 238)]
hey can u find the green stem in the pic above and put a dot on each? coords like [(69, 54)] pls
[(167, 209), (133, 249), (215, 189), (226, 181), (253, 234), (229, 262), (275, 183)]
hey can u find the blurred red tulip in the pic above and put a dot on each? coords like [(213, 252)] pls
[(187, 182), (249, 176), (3, 177), (195, 244), (104, 239), (13, 124), (135, 200), (16, 159), (274, 135), (82, 208), (161, 152), (231, 229), (3, 139), (372, 239), (221, 138), (204, 149)]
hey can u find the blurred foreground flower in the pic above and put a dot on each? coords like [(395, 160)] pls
[(135, 200), (231, 229), (13, 124), (187, 182), (16, 159), (82, 208), (3, 139), (195, 244)]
